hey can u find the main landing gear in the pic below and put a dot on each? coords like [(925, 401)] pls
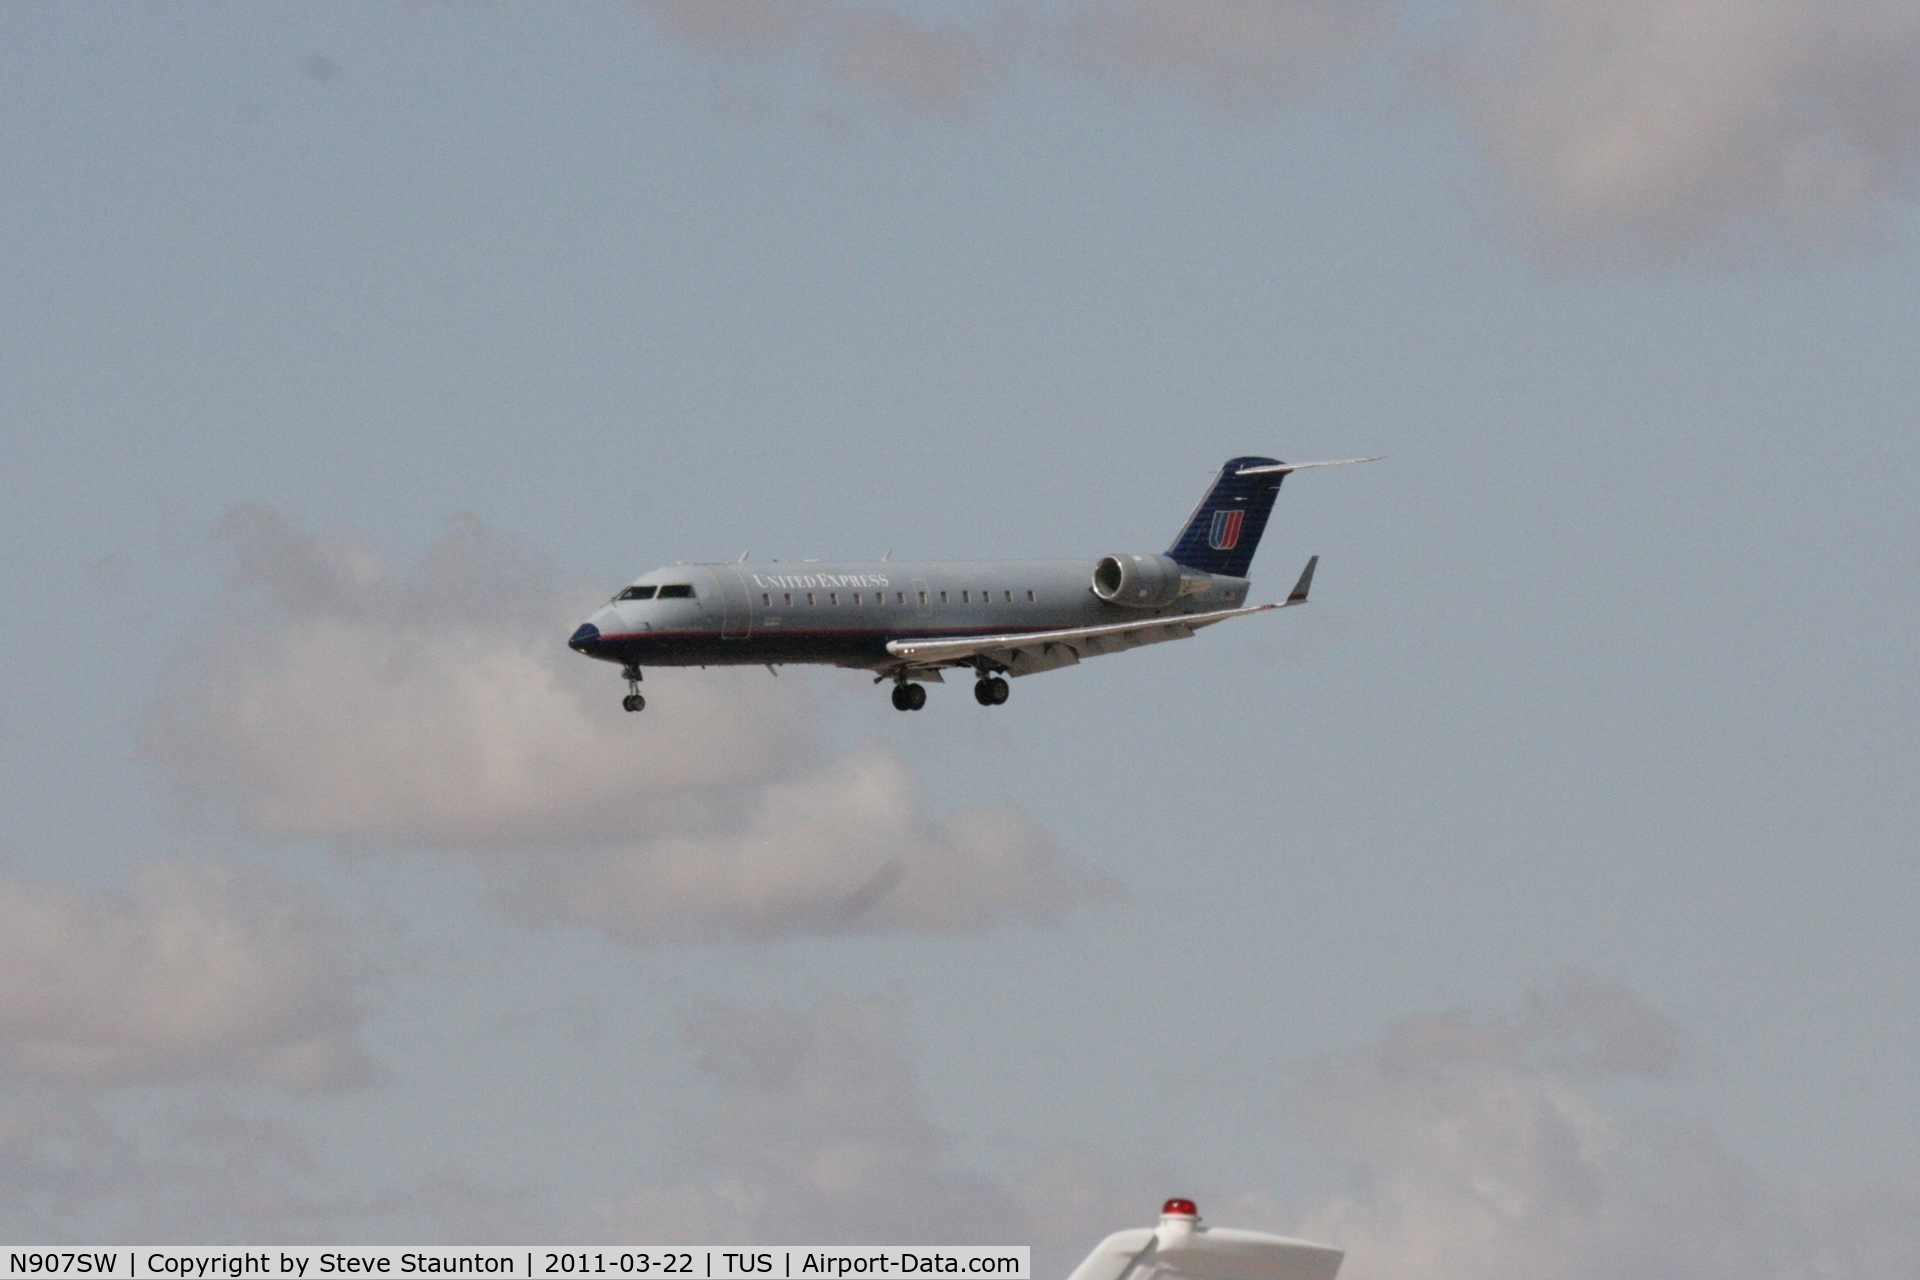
[(633, 701), (990, 691)]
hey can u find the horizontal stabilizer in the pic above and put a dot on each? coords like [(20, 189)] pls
[(1283, 468)]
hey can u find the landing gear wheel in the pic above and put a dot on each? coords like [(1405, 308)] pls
[(903, 696), (983, 691), (916, 696), (1000, 690), (634, 702)]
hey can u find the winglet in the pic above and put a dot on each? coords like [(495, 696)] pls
[(1299, 593)]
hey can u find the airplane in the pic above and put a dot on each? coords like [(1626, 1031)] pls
[(907, 621), (1183, 1249)]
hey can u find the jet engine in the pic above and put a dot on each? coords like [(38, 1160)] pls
[(1145, 582)]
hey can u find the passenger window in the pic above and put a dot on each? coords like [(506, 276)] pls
[(965, 598), (833, 597), (787, 596), (809, 597), (677, 591), (943, 597), (766, 600), (636, 593), (1029, 597), (923, 597), (856, 597), (1008, 595), (899, 597)]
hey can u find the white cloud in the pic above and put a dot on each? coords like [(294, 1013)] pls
[(83, 1170), (441, 711), (123, 1011), (1618, 130), (819, 1133), (1236, 52), (744, 27), (197, 970), (438, 710), (933, 70), (1494, 1148), (1484, 1149), (845, 849), (1232, 51), (1649, 128), (894, 58)]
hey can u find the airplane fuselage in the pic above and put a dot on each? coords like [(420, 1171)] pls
[(847, 612), (913, 620)]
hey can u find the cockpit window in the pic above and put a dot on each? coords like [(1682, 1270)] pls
[(636, 593), (677, 591)]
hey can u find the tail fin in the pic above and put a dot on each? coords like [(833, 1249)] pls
[(1225, 528)]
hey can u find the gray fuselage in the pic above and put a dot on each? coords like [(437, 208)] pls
[(845, 612)]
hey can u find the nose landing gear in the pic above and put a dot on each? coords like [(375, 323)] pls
[(990, 691), (633, 701), (908, 696)]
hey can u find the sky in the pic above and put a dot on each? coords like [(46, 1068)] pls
[(1539, 902)]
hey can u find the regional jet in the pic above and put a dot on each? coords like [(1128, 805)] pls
[(908, 621)]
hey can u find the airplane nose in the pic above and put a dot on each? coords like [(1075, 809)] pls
[(585, 638)]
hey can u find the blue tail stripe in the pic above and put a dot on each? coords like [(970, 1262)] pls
[(1224, 530)]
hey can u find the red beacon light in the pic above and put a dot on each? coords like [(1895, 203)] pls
[(1179, 1209)]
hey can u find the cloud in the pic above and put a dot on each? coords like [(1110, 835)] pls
[(123, 1012), (1476, 1148), (819, 1133), (1485, 1149), (933, 70), (197, 970), (1236, 52), (752, 28), (189, 1171), (880, 52), (1618, 131), (844, 849), (1651, 128), (440, 711)]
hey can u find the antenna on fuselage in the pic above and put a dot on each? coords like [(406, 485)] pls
[(743, 557), (889, 554)]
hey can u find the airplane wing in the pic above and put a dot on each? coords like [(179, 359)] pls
[(1183, 1249), (1219, 1254), (1029, 652)]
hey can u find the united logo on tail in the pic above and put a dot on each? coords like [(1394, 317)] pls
[(1225, 534)]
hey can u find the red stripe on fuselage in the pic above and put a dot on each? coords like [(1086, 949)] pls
[(759, 632)]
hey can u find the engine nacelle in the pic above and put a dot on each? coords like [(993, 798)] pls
[(1145, 582)]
